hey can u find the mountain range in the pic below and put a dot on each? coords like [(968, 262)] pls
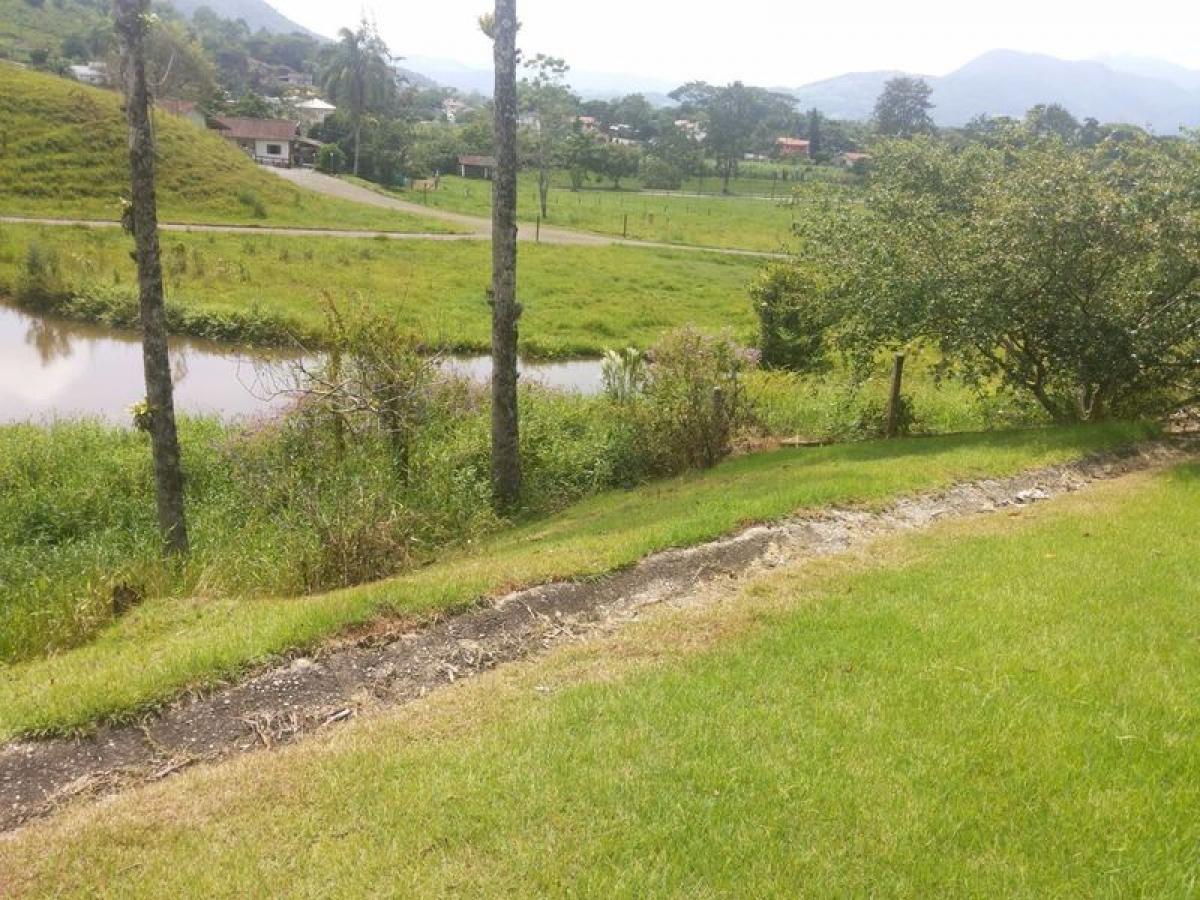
[(1134, 90), (1141, 92)]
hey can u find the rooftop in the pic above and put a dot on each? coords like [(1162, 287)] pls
[(257, 129)]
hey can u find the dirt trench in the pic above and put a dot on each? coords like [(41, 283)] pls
[(319, 691)]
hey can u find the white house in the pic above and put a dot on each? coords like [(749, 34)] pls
[(452, 107), (275, 142), (315, 111), (95, 73)]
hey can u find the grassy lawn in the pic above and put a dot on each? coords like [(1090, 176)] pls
[(167, 645), (63, 155), (729, 222), (1001, 707), (578, 300)]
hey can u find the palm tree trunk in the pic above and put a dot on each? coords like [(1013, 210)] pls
[(357, 135), (506, 460), (132, 23)]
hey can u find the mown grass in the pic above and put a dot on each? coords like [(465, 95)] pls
[(63, 154), (714, 221), (1006, 707), (167, 645), (577, 300)]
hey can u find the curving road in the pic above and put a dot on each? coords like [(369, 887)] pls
[(476, 228)]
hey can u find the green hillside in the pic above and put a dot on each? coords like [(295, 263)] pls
[(27, 26), (62, 153)]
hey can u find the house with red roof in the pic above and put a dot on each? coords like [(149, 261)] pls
[(273, 142), (791, 148)]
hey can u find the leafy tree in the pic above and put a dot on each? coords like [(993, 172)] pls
[(734, 115), (550, 103), (635, 111), (1069, 273), (330, 159), (679, 150), (617, 161), (814, 134), (580, 154), (1052, 119), (358, 76), (252, 106), (902, 110)]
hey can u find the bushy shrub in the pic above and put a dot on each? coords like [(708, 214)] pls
[(40, 281), (659, 174), (792, 327), (331, 159), (694, 399), (253, 203)]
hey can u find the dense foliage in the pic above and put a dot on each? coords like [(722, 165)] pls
[(1068, 272)]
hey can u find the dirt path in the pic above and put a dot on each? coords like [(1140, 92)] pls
[(395, 666), (481, 226)]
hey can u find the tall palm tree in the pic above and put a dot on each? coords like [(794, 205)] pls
[(358, 75), (133, 22), (501, 27)]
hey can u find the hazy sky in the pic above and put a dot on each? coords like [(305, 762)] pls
[(778, 43)]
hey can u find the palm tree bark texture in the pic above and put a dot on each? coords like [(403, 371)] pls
[(506, 460), (133, 21)]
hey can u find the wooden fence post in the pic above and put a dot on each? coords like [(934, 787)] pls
[(895, 398), (538, 235)]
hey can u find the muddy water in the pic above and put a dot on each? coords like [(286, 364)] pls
[(56, 369)]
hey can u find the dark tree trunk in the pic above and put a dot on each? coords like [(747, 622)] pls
[(132, 23), (506, 460), (544, 184), (357, 136)]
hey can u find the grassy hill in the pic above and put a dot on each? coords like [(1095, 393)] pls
[(62, 153), (29, 25)]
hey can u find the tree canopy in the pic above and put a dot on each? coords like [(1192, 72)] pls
[(1071, 273), (902, 110)]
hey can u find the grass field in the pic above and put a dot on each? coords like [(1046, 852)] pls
[(578, 300), (726, 222), (1002, 707), (167, 645), (63, 154), (26, 26)]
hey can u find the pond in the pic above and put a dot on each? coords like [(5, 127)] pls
[(57, 369)]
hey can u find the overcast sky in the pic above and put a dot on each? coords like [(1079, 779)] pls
[(778, 42)]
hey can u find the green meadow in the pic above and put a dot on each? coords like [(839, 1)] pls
[(1000, 707)]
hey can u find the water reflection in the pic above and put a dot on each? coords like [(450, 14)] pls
[(54, 368)]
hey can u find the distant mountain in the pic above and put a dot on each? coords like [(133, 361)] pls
[(1183, 77), (1007, 83), (258, 14), (850, 96), (589, 85)]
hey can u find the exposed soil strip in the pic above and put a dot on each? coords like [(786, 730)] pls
[(317, 692)]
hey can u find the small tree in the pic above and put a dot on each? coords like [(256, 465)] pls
[(579, 155), (618, 161), (550, 102), (816, 139), (902, 110)]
